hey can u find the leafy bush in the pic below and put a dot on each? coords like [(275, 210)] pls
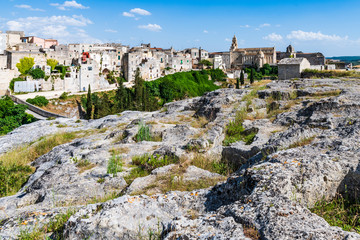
[(12, 82), (143, 133), (64, 96), (37, 73), (12, 116), (38, 101)]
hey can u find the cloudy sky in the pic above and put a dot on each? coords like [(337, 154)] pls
[(327, 26)]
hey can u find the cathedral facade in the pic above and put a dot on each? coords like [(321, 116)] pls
[(247, 57)]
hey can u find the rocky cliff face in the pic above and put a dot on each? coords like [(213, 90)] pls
[(306, 149)]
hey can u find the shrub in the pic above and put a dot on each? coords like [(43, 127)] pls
[(64, 96), (12, 82), (12, 116), (37, 73), (25, 65), (38, 101)]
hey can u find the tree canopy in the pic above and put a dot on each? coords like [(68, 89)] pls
[(25, 64), (52, 63)]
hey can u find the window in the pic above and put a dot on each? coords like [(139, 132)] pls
[(118, 57), (90, 68)]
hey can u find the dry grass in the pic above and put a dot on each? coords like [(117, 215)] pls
[(302, 142), (119, 150), (333, 93), (251, 232), (28, 153), (199, 122), (174, 182)]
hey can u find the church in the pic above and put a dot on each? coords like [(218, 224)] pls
[(247, 57)]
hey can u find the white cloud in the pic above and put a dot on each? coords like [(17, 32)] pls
[(245, 26), (273, 37), (205, 31), (63, 28), (151, 27), (28, 7), (127, 14), (309, 36), (227, 40), (140, 11), (69, 4), (111, 30), (135, 12), (265, 25)]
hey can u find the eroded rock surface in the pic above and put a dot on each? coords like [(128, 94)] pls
[(309, 150)]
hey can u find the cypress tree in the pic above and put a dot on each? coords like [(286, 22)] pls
[(144, 99), (96, 102), (252, 76), (237, 83), (139, 85), (242, 79), (88, 104)]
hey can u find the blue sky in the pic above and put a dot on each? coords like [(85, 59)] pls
[(330, 26)]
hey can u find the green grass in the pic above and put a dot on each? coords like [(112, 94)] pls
[(236, 132), (340, 212), (144, 134), (115, 165), (212, 165), (14, 165), (146, 163)]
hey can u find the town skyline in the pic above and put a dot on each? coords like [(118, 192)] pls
[(309, 26)]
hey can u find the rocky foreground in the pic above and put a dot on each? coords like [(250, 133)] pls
[(306, 148)]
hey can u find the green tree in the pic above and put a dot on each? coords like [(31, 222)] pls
[(237, 83), (252, 76), (52, 63), (25, 64), (89, 105), (205, 63), (37, 73), (139, 85), (242, 79)]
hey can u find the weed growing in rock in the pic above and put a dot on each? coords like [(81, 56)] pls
[(55, 225), (144, 134), (212, 165), (236, 132), (150, 162), (82, 164), (115, 165), (341, 212)]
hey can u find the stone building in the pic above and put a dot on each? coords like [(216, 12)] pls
[(289, 68), (315, 59), (246, 57)]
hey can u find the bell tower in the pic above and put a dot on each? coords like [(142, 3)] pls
[(234, 44)]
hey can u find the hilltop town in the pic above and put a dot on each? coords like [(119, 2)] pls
[(98, 65)]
